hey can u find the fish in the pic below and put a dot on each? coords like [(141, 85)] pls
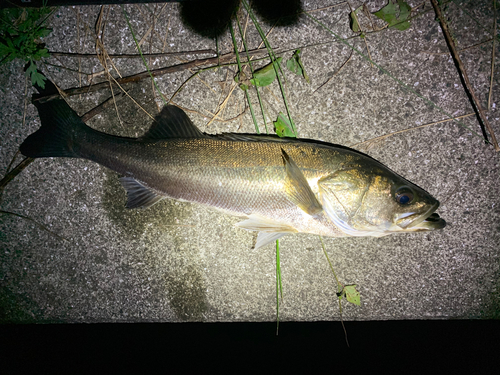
[(276, 186)]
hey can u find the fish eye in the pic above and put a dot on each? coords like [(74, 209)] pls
[(404, 195)]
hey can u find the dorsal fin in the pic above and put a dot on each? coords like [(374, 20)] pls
[(172, 122)]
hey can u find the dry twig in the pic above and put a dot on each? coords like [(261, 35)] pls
[(155, 73), (377, 139), (36, 223), (483, 121), (493, 51)]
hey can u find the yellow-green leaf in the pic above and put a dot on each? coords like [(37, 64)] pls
[(266, 75), (295, 65), (283, 127), (351, 294), (354, 19)]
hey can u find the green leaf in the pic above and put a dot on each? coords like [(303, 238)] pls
[(44, 52), (354, 19), (4, 49), (19, 30), (295, 65), (404, 10), (283, 127), (266, 75), (38, 78), (31, 69), (351, 294), (9, 43), (44, 32), (388, 14)]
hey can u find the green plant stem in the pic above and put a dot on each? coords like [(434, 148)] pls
[(276, 66), (251, 70), (235, 45), (143, 59), (340, 287)]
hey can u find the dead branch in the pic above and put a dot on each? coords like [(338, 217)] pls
[(155, 73), (101, 107), (14, 172), (483, 121), (122, 56)]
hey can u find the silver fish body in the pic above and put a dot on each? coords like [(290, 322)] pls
[(278, 186)]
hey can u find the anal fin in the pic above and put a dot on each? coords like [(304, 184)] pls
[(263, 224), (265, 238), (269, 230), (138, 195)]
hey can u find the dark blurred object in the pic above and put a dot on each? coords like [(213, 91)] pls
[(209, 18), (278, 12)]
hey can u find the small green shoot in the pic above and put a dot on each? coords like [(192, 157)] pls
[(388, 14), (20, 33), (265, 75), (295, 65), (251, 69), (282, 126)]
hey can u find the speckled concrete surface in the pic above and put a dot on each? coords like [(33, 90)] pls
[(183, 262)]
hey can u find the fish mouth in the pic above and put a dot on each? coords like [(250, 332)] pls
[(429, 220)]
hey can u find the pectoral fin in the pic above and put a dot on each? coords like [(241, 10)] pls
[(298, 189), (138, 195)]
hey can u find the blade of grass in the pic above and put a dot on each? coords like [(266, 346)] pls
[(493, 53), (276, 66), (140, 52), (240, 70), (340, 287), (279, 286), (251, 70)]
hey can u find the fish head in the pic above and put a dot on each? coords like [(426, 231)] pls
[(367, 199)]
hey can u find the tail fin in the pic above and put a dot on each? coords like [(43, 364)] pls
[(61, 127)]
